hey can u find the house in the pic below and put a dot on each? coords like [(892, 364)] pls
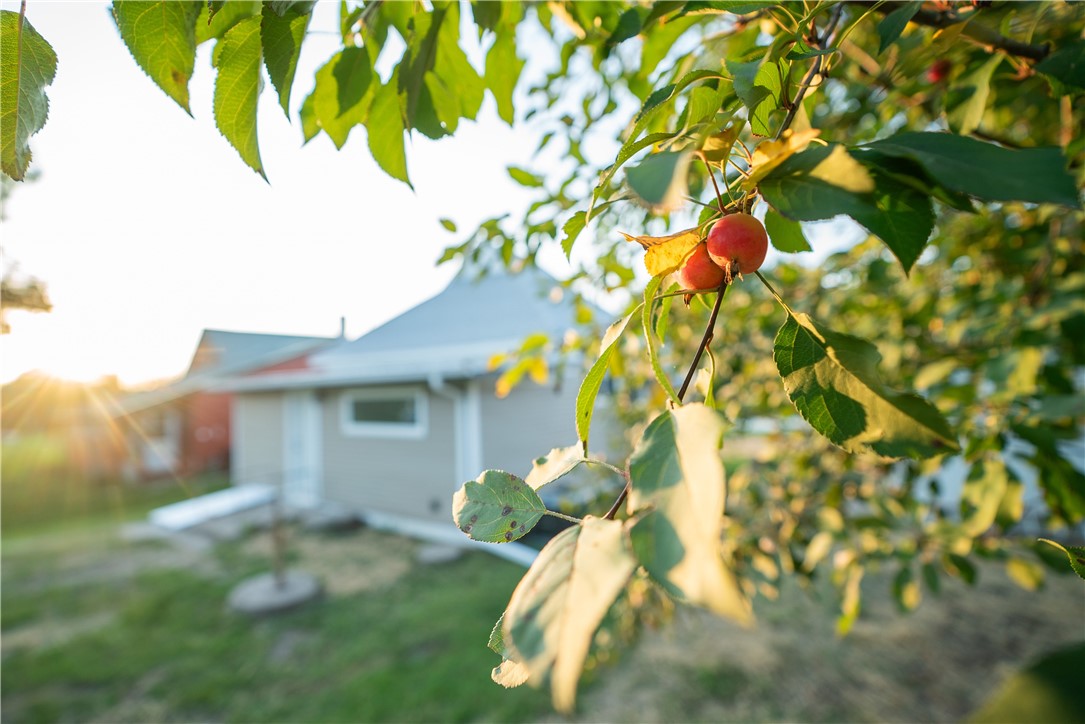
[(184, 427), (391, 424)]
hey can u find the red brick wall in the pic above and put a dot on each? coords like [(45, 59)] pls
[(206, 441)]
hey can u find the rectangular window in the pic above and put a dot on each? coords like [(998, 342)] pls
[(402, 410), (388, 412)]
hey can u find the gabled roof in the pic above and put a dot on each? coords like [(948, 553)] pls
[(221, 354), (453, 334), (498, 307)]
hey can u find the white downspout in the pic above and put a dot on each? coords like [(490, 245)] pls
[(440, 387)]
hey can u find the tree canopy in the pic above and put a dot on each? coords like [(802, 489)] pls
[(947, 334)]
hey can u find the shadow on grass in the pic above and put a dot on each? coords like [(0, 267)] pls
[(414, 651)]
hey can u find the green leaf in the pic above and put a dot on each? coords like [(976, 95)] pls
[(832, 380), (987, 171), (589, 388), (555, 464), (282, 34), (786, 235), (930, 578), (1066, 66), (911, 174), (219, 18), (345, 87), (759, 85), (524, 178), (162, 39), (486, 13), (818, 183), (677, 485), (237, 88), (555, 610), (824, 181), (661, 180), (419, 57), (1063, 485), (455, 71), (385, 128), (708, 7), (966, 100), (497, 507), (570, 231), (27, 65), (1076, 554), (310, 126), (626, 152), (704, 103), (282, 7), (503, 68), (354, 87), (653, 104), (449, 225), (893, 24), (650, 290), (900, 216), (962, 567), (629, 26)]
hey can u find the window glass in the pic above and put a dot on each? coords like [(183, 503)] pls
[(399, 410)]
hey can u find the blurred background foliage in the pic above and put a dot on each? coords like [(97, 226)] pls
[(988, 325)]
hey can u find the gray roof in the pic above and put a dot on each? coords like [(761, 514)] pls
[(497, 308), (235, 353), (242, 351), (452, 335)]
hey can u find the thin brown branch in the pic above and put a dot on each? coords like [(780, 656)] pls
[(689, 376), (978, 32), (617, 503), (711, 175), (707, 337), (815, 68)]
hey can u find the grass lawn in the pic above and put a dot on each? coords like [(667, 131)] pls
[(99, 628), (160, 645)]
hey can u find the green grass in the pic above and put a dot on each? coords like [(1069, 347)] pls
[(414, 651), (93, 631), (40, 496)]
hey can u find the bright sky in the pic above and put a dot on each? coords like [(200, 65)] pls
[(147, 227)]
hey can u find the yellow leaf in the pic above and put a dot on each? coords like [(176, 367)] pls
[(539, 371), (770, 154), (717, 147), (510, 673), (840, 169), (666, 253), (503, 387)]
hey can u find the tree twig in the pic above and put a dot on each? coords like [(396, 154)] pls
[(705, 339), (815, 68), (976, 31)]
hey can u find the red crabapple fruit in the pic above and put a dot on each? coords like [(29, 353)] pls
[(699, 271), (740, 239)]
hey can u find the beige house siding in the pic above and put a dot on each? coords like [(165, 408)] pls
[(257, 449), (526, 424), (404, 476)]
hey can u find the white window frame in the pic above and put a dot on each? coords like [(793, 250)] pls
[(413, 431)]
